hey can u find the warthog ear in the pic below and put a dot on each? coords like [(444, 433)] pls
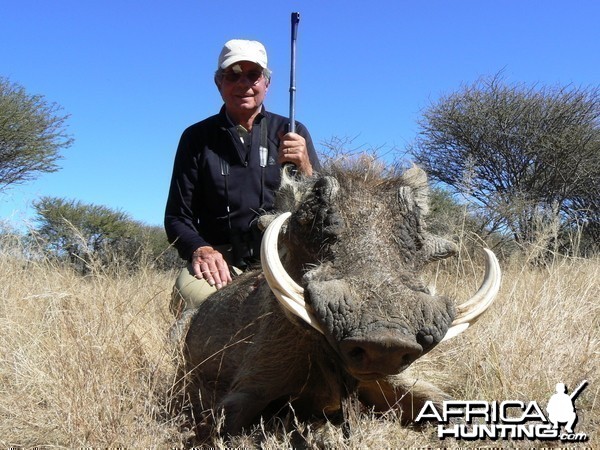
[(415, 192), (318, 210), (414, 196), (326, 189)]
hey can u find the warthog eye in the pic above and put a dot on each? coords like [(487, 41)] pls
[(357, 353)]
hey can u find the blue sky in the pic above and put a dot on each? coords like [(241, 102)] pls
[(133, 74)]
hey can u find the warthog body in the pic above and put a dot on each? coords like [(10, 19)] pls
[(355, 243)]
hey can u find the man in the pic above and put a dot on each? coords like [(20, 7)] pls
[(226, 170), (561, 409)]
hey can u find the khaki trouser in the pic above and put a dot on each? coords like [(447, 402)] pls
[(189, 292)]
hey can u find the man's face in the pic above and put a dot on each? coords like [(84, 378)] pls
[(243, 88)]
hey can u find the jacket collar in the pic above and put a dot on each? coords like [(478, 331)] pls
[(226, 122)]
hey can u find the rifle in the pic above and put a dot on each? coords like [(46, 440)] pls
[(295, 21), (578, 389)]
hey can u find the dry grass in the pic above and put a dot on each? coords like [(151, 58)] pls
[(83, 361)]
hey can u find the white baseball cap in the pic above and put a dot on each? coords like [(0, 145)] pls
[(237, 50)]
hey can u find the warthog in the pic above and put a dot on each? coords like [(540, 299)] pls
[(338, 309)]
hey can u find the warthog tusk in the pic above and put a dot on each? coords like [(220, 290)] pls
[(472, 309), (289, 293)]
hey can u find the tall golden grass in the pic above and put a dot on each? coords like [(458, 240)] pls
[(84, 361)]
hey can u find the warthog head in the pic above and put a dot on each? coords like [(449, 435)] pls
[(358, 245)]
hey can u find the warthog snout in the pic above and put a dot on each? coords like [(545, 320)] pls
[(383, 354)]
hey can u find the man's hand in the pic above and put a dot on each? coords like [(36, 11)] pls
[(293, 150), (209, 264)]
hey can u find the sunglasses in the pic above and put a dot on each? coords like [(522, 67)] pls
[(253, 76)]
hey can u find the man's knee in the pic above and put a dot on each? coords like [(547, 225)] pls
[(189, 292)]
